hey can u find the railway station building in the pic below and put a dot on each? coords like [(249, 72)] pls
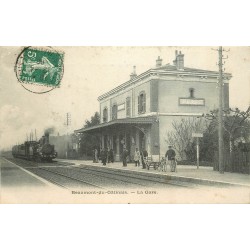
[(139, 113)]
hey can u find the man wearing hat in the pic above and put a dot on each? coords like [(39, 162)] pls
[(124, 157), (170, 158)]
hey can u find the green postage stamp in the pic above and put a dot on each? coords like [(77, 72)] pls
[(42, 66)]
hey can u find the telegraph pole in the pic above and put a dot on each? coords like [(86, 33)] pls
[(68, 122), (220, 113)]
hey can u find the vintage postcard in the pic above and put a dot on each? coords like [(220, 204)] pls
[(124, 124)]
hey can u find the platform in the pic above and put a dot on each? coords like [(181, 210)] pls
[(184, 173), (18, 185), (12, 176)]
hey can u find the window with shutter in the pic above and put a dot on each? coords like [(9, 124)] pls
[(142, 103), (114, 112), (139, 105), (128, 107), (105, 115)]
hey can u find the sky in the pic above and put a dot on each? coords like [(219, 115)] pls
[(92, 71)]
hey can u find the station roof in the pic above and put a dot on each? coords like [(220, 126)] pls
[(169, 67), (136, 120), (164, 69)]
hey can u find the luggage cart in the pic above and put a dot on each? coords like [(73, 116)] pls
[(152, 162)]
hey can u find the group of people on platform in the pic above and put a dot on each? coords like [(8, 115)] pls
[(140, 157), (107, 156)]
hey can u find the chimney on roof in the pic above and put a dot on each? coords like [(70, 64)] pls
[(179, 60), (133, 74), (158, 62), (176, 53)]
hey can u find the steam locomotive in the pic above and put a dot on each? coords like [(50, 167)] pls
[(35, 150)]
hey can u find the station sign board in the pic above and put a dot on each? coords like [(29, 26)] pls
[(197, 135), (190, 101)]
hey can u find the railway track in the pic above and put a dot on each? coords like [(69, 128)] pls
[(68, 176), (78, 177), (131, 178), (97, 180), (62, 180)]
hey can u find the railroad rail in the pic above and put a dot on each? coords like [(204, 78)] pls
[(130, 175), (68, 176), (63, 180)]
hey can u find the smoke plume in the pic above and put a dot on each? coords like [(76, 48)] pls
[(50, 130)]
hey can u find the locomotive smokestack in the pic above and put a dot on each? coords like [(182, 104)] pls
[(46, 137), (48, 131)]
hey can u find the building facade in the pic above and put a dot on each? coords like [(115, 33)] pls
[(139, 113)]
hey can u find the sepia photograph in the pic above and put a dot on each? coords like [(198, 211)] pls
[(123, 124)]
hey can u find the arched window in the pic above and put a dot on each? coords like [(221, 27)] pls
[(105, 115), (142, 102), (191, 92), (114, 112)]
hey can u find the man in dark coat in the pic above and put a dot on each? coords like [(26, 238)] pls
[(170, 158), (111, 155), (144, 155), (108, 155), (104, 156), (124, 157)]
